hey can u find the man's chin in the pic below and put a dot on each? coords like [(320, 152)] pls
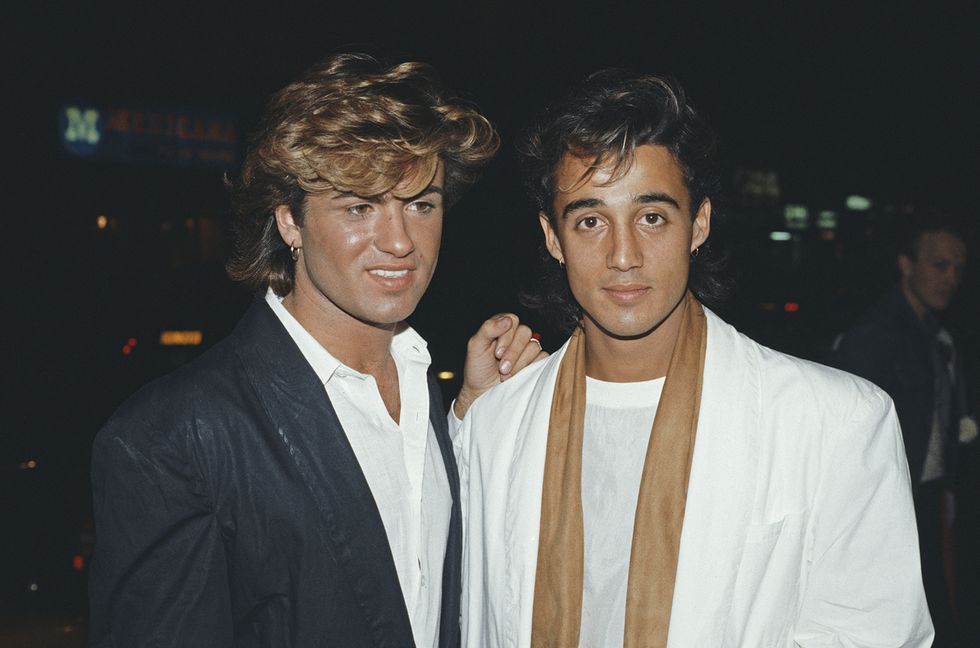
[(386, 323), (619, 330)]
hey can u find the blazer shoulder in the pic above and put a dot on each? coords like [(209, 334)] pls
[(215, 384), (829, 394), (207, 385), (886, 324), (791, 387)]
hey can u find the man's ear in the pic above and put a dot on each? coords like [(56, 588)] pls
[(288, 229), (550, 238), (905, 266), (701, 226)]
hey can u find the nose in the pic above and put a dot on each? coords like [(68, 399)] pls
[(392, 235), (624, 252)]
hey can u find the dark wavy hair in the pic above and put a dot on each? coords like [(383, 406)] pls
[(347, 124), (927, 220), (603, 120)]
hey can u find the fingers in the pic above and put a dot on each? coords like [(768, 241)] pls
[(518, 352), (532, 352), (499, 349), (491, 331)]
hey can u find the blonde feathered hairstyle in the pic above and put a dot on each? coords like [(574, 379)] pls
[(348, 124)]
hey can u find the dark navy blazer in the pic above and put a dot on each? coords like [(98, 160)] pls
[(231, 511), (890, 346)]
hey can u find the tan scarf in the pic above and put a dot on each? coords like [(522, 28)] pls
[(557, 616)]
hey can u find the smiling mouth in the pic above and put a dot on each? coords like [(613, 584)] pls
[(389, 274)]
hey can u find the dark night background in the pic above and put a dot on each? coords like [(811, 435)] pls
[(836, 102)]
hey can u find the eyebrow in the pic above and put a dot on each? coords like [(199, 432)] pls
[(642, 199), (436, 189)]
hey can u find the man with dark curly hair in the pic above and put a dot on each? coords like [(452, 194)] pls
[(295, 485), (662, 480)]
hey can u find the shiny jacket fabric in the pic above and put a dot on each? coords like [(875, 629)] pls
[(231, 511)]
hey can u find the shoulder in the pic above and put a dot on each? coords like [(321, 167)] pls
[(169, 409), (790, 387), (794, 382), (518, 392), (885, 322)]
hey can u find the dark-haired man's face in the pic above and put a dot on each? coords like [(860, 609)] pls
[(626, 244), (930, 281)]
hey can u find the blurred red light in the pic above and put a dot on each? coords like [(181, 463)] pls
[(131, 342), (126, 350), (78, 562), (791, 307)]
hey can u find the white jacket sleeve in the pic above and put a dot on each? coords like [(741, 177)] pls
[(864, 585)]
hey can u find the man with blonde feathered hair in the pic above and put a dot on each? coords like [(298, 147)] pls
[(295, 485)]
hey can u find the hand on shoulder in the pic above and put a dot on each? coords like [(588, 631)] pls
[(501, 347)]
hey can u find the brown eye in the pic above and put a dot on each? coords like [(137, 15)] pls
[(652, 218), (589, 222), (360, 209), (422, 207)]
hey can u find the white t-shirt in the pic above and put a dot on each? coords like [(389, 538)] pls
[(618, 419)]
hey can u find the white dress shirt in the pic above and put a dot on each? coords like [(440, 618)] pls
[(401, 462)]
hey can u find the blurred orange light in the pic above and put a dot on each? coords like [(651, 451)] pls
[(78, 562), (101, 222), (181, 338), (791, 307)]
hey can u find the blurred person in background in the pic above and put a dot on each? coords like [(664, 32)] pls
[(900, 345), (295, 485)]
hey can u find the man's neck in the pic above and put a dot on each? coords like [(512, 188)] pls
[(918, 307), (634, 359), (361, 346)]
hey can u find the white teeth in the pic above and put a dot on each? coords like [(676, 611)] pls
[(389, 274)]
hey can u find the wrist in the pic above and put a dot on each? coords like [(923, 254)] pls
[(462, 403)]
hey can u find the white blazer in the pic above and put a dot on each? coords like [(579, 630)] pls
[(799, 528)]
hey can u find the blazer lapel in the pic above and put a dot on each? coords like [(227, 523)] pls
[(449, 633), (720, 495), (297, 404)]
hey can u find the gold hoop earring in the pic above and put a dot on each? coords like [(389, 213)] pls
[(294, 252)]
